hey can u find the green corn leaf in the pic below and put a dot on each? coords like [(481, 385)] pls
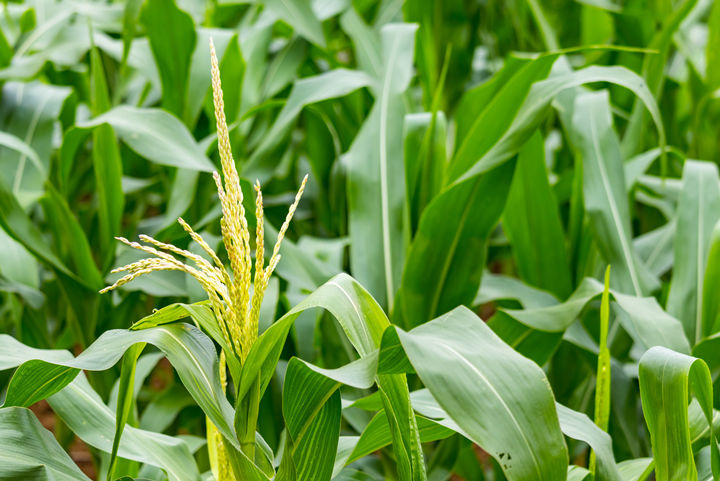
[(107, 164), (578, 426), (653, 69), (518, 423), (573, 424), (20, 227), (86, 415), (301, 17), (605, 195), (667, 379), (527, 117), (377, 435), (306, 91), (10, 141), (202, 315), (131, 13), (636, 469), (31, 112), (441, 244), (713, 73), (35, 380), (697, 213), (375, 174), (497, 286), (283, 68), (438, 274), (29, 452), (602, 385), (364, 323), (646, 322), (532, 223), (71, 237), (311, 409), (152, 133), (711, 284), (31, 295), (191, 352), (492, 108), (425, 158), (171, 33), (124, 401)]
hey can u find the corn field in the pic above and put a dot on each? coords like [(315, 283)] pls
[(359, 240)]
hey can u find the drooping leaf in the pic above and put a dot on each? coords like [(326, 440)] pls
[(192, 354), (30, 452), (152, 133), (464, 365), (364, 323), (578, 426), (516, 130), (301, 17), (645, 321), (86, 415), (377, 435)]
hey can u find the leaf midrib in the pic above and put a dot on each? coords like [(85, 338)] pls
[(384, 202), (519, 429), (613, 208)]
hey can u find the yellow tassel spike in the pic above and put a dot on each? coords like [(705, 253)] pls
[(236, 310), (281, 235)]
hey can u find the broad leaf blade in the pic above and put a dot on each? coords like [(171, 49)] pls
[(605, 195), (375, 176), (532, 222), (697, 213), (499, 398), (29, 452), (666, 380), (171, 33)]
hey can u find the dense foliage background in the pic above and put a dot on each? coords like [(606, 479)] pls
[(497, 155)]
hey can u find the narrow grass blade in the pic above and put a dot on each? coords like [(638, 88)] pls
[(602, 383), (125, 401), (107, 165)]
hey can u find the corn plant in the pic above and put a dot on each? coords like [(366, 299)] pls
[(504, 264)]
